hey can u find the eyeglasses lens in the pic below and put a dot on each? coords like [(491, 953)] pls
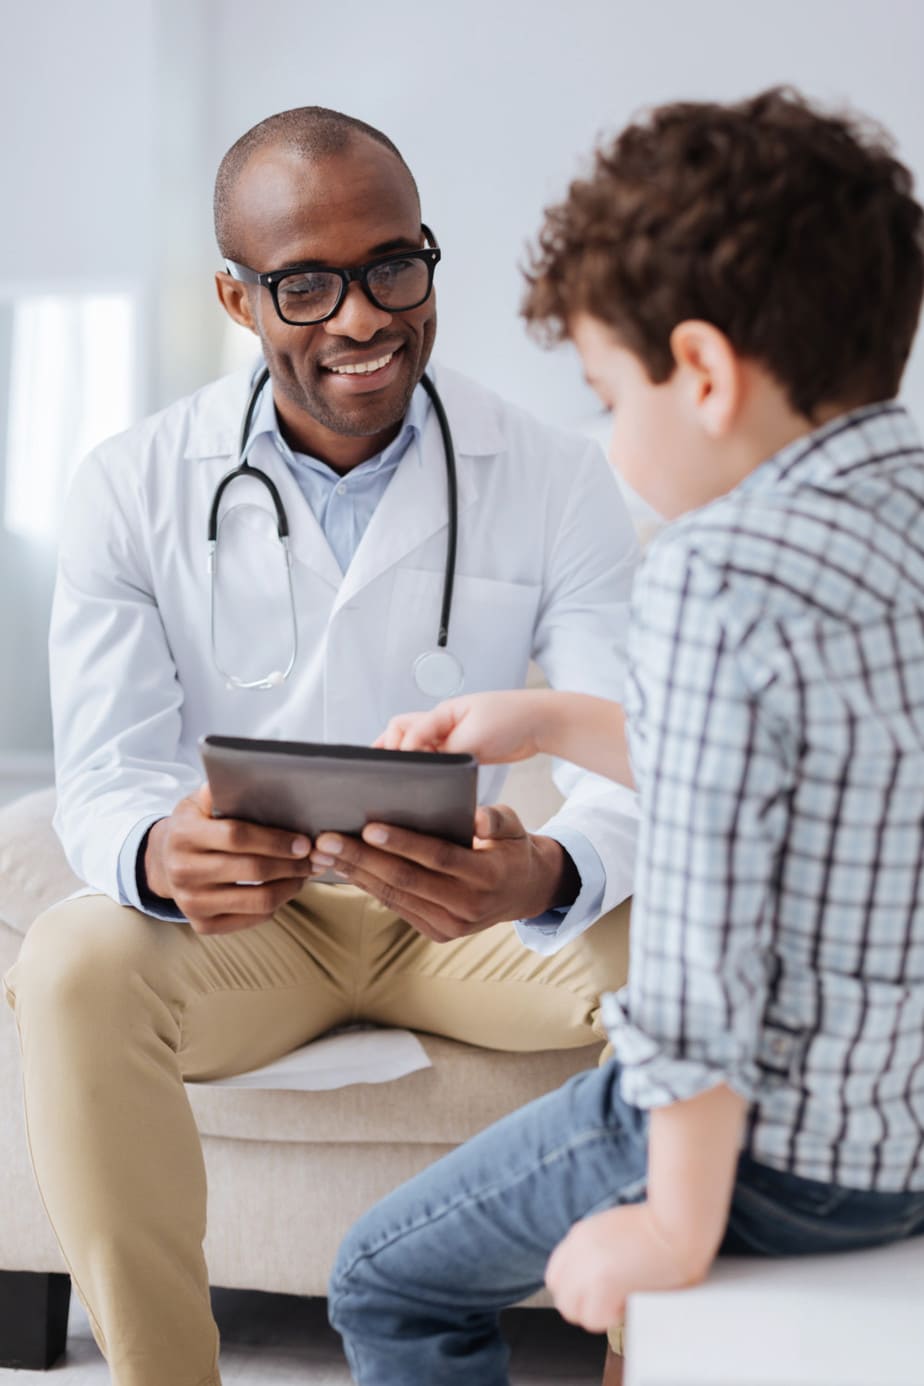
[(310, 295), (399, 284)]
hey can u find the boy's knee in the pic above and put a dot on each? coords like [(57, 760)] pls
[(344, 1289), (365, 1277)]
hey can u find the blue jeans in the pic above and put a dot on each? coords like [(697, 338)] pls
[(420, 1280)]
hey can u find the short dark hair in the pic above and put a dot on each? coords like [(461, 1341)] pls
[(314, 132), (793, 231)]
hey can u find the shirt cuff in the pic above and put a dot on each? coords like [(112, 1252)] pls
[(133, 887), (651, 1076), (537, 933)]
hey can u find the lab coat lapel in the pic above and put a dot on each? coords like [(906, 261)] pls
[(307, 539), (414, 507), (213, 433)]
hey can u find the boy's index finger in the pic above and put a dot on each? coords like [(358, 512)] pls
[(425, 731)]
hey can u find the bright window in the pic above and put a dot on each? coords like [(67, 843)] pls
[(72, 383)]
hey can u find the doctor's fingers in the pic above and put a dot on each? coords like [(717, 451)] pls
[(422, 868), (442, 907), (205, 870), (194, 831), (493, 823), (227, 909), (428, 917)]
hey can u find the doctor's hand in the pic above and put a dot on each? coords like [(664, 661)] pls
[(445, 891), (222, 873)]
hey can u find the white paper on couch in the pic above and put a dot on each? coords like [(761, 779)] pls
[(355, 1055)]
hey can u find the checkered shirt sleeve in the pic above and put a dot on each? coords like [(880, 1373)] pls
[(713, 782)]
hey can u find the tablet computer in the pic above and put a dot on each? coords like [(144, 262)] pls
[(309, 787)]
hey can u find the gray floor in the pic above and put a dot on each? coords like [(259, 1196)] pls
[(278, 1340)]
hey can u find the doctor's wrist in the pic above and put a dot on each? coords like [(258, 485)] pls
[(561, 880), (152, 875)]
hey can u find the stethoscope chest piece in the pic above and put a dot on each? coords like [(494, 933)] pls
[(438, 674)]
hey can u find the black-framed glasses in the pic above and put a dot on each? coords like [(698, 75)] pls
[(307, 294)]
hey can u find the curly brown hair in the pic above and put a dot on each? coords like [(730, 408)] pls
[(793, 231)]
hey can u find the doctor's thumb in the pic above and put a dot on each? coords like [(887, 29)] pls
[(203, 799), (497, 821)]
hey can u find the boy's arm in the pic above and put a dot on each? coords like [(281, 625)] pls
[(510, 726), (715, 743), (671, 1239)]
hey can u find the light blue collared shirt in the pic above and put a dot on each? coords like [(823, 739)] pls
[(343, 507)]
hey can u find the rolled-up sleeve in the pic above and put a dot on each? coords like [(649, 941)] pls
[(714, 776)]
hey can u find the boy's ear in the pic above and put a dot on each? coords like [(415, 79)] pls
[(233, 297), (710, 374)]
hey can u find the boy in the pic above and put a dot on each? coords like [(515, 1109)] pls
[(743, 284)]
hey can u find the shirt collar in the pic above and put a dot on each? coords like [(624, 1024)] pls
[(838, 445), (266, 420)]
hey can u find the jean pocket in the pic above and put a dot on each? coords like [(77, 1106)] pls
[(801, 1200)]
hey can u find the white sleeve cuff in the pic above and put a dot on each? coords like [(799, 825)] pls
[(129, 893), (548, 932)]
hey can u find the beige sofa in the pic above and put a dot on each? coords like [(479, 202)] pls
[(287, 1172)]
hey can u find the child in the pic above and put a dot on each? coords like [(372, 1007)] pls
[(743, 284)]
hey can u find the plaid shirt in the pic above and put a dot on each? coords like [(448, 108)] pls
[(776, 714)]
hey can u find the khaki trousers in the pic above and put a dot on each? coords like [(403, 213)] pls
[(116, 1009)]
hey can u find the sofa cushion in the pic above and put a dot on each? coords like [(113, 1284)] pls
[(464, 1091), (34, 873)]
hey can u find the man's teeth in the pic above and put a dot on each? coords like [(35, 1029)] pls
[(362, 367)]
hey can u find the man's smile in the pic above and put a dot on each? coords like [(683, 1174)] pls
[(356, 373)]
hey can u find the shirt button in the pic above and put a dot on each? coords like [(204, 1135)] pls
[(341, 489)]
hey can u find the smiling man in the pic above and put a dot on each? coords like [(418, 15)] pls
[(205, 947)]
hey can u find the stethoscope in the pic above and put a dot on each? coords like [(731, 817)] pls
[(437, 672)]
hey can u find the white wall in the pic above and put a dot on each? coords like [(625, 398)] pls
[(495, 102), (77, 168), (115, 116)]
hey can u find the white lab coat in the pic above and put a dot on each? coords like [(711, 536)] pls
[(545, 563)]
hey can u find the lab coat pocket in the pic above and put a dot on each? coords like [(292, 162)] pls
[(491, 629)]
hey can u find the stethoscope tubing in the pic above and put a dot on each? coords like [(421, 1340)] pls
[(244, 469)]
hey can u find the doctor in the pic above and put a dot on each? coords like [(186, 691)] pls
[(205, 947)]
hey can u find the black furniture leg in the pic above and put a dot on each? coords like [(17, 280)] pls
[(33, 1318)]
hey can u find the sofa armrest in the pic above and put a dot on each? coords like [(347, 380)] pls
[(34, 873)]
